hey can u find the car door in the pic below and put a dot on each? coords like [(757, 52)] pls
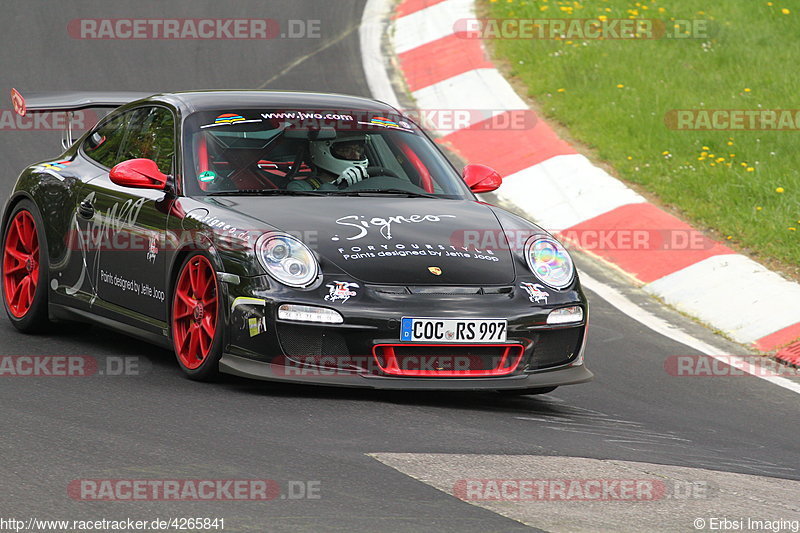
[(130, 274), (102, 148)]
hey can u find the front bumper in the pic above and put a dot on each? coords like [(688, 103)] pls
[(262, 346), (249, 368)]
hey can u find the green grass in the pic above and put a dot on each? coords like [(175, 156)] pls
[(752, 45)]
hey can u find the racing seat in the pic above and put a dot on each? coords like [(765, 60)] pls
[(233, 167), (425, 180), (287, 165)]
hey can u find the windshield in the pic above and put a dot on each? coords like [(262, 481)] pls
[(257, 151)]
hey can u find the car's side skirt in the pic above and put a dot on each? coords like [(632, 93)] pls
[(145, 331)]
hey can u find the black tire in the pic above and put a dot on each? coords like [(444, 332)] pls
[(35, 318), (208, 369)]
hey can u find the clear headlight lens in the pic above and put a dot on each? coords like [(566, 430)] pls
[(309, 313), (565, 315), (550, 262), (287, 259)]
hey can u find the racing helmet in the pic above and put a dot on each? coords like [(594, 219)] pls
[(337, 155)]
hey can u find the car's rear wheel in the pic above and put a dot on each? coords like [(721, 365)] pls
[(25, 269), (196, 319)]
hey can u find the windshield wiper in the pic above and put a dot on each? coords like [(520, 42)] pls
[(393, 192), (267, 192)]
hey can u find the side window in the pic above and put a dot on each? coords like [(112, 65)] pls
[(151, 135), (104, 143)]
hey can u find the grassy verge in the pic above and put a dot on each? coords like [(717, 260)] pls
[(613, 96)]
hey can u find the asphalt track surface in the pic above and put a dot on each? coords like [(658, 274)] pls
[(159, 425)]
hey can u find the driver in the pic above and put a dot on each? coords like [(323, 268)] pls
[(338, 161)]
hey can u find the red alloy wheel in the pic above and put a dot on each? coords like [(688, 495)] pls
[(21, 264), (194, 312)]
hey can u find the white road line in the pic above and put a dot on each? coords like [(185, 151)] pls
[(661, 326), (370, 33)]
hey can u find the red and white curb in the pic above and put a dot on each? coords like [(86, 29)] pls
[(563, 192)]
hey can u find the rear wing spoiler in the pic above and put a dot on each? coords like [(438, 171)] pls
[(71, 101)]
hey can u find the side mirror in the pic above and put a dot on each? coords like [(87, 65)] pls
[(139, 174), (480, 178)]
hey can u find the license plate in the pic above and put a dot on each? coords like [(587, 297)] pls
[(449, 330)]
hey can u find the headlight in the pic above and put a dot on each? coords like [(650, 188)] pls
[(287, 259), (549, 261)]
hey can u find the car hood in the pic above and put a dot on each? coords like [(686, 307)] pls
[(380, 240)]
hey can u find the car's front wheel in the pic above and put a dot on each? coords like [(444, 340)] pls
[(25, 269), (196, 319)]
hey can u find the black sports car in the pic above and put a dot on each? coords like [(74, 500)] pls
[(289, 236)]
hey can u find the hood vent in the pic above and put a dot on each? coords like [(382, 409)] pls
[(442, 291)]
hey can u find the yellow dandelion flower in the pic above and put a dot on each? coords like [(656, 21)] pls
[(620, 86), (561, 90), (792, 229), (665, 152), (630, 158), (759, 208), (729, 237), (744, 164), (706, 148), (779, 190), (750, 169), (730, 143), (785, 11)]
